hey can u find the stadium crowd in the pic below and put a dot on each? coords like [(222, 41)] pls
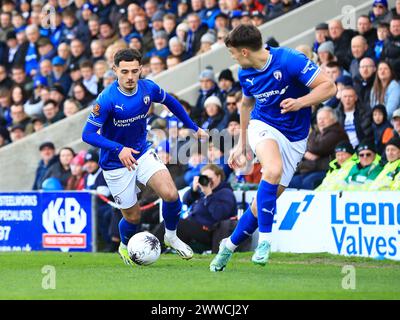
[(47, 74)]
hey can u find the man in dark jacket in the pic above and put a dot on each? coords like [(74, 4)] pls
[(391, 47), (365, 80), (196, 30), (354, 117), (48, 157), (342, 42), (211, 201)]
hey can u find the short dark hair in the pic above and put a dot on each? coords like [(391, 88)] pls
[(333, 64), (244, 35), (86, 64), (127, 55), (51, 101)]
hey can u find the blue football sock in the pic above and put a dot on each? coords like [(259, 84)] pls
[(126, 230), (171, 213), (266, 205), (246, 226)]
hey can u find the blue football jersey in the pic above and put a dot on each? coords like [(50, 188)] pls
[(122, 118), (287, 74)]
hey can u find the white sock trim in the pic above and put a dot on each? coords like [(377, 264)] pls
[(264, 236), (230, 245), (170, 234)]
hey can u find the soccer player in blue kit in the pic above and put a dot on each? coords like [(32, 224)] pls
[(276, 117), (120, 114)]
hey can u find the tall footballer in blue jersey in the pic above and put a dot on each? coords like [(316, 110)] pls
[(117, 125), (279, 86)]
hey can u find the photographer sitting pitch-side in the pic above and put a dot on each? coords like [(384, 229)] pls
[(211, 200)]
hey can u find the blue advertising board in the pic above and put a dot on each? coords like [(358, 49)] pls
[(46, 221)]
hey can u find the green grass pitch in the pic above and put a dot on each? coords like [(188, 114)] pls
[(287, 276)]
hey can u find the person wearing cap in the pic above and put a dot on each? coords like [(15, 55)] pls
[(208, 88), (59, 73), (47, 158), (321, 35), (126, 156), (364, 81), (157, 21), (227, 83), (380, 12), (215, 115), (234, 18), (161, 48), (257, 18), (320, 149), (396, 123), (221, 21), (339, 168), (77, 179), (390, 172), (17, 132), (207, 40), (366, 169), (326, 52)]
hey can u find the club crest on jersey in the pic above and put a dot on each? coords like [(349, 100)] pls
[(96, 110), (146, 100), (278, 75)]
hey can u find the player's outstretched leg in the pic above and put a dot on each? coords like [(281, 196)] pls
[(127, 228), (246, 226)]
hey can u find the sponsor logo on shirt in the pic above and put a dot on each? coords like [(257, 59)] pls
[(128, 122)]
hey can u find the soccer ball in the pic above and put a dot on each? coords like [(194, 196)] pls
[(144, 248)]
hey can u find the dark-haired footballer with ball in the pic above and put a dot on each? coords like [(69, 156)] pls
[(126, 156)]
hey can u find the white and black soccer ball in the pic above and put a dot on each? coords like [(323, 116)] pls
[(144, 248)]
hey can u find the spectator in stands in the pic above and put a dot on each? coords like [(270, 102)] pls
[(70, 107), (18, 95), (59, 73), (19, 76), (273, 9), (231, 105), (221, 21), (196, 30), (320, 149), (382, 34), (141, 27), (5, 105), (216, 155), (177, 48), (172, 61), (37, 123), (232, 131), (321, 35), (169, 24), (89, 79), (157, 65), (70, 28), (339, 168), (395, 12), (235, 18), (77, 179), (227, 84), (211, 201), (109, 77), (367, 30), (206, 42), (214, 114), (5, 81), (396, 123), (82, 95), (29, 51), (157, 21), (341, 82), (326, 54), (382, 129), (4, 136), (333, 70), (77, 52), (160, 45), (181, 31), (97, 49), (17, 132), (354, 117), (386, 90), (363, 82), (208, 88), (20, 118), (197, 160), (107, 33), (52, 112), (366, 170), (211, 10), (359, 50), (46, 49), (61, 169), (257, 18), (57, 94), (391, 48), (387, 177), (342, 42), (47, 158), (380, 12)]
